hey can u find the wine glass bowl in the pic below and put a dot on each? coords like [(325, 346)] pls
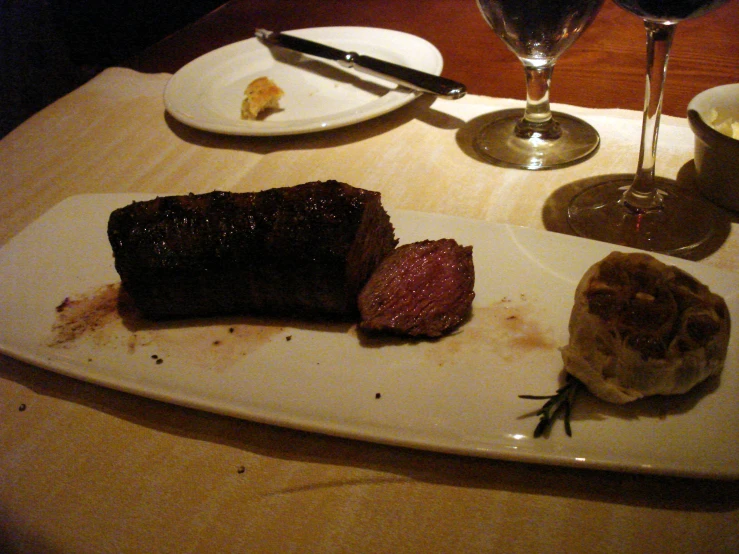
[(537, 32), (669, 11), (641, 212)]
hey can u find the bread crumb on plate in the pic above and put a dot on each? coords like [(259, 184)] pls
[(261, 94)]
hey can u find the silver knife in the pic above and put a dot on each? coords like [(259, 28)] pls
[(405, 76)]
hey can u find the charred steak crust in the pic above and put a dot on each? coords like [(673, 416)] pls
[(422, 289), (301, 251)]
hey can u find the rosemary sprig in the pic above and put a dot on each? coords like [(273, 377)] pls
[(558, 403)]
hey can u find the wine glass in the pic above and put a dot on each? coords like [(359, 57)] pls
[(642, 211), (538, 32)]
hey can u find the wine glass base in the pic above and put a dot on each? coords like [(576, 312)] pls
[(683, 223), (498, 143)]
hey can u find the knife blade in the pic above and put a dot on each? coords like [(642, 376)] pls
[(402, 75)]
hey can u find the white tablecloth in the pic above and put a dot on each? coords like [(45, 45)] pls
[(87, 469)]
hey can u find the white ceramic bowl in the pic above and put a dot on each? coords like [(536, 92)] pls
[(716, 154)]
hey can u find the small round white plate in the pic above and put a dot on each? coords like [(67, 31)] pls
[(319, 94)]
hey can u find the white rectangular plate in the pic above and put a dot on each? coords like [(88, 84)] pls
[(458, 394)]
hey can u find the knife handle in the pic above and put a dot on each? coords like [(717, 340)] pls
[(407, 77)]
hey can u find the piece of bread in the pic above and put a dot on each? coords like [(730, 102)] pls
[(640, 327), (260, 95)]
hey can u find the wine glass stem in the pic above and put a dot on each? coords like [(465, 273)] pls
[(643, 196), (537, 121)]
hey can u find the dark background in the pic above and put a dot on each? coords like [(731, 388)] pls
[(50, 47)]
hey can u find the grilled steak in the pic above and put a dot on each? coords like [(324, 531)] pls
[(300, 251), (421, 289)]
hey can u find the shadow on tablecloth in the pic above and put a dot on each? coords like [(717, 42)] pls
[(554, 212)]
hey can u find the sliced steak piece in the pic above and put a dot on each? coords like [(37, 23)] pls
[(421, 289), (299, 251)]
